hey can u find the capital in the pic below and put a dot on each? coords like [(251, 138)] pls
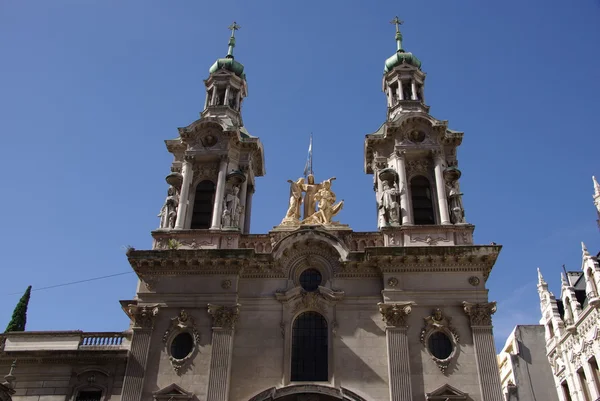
[(395, 314), (480, 314), (224, 317), (143, 316), (189, 158)]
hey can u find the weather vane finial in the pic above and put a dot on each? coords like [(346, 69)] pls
[(233, 27), (397, 21)]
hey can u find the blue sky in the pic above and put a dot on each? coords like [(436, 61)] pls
[(91, 88)]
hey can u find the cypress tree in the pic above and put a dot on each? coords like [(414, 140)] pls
[(19, 317)]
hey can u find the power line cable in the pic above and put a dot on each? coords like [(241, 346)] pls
[(74, 282)]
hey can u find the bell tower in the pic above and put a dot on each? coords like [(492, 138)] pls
[(216, 162), (412, 157)]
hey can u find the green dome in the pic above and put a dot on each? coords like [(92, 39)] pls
[(401, 57), (229, 64)]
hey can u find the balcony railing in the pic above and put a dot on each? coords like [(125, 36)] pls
[(103, 340), (63, 341)]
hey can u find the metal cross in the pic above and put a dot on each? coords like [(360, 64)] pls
[(234, 27), (397, 21)]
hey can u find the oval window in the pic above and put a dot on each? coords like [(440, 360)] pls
[(182, 345), (310, 279), (440, 345)]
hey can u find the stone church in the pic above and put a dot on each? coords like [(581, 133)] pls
[(571, 326), (311, 310)]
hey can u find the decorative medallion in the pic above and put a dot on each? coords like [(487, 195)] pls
[(440, 338), (392, 282), (226, 284), (180, 328), (474, 281)]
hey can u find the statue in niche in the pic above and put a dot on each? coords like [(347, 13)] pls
[(326, 204), (232, 208), (389, 206), (292, 216), (168, 212), (457, 213)]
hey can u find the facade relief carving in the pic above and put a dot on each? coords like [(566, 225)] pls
[(143, 316), (224, 317), (182, 323), (395, 314), (438, 322), (480, 314)]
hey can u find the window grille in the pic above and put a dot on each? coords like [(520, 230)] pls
[(310, 348)]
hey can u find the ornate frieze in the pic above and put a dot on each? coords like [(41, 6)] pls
[(480, 314), (394, 314), (143, 316), (224, 317)]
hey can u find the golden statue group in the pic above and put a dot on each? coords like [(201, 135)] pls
[(318, 199)]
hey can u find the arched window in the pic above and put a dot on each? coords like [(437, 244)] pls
[(203, 205), (309, 348), (422, 201)]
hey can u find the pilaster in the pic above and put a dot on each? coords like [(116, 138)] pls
[(394, 316), (143, 323), (224, 320), (480, 316)]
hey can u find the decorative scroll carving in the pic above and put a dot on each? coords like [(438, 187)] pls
[(143, 316), (422, 166), (480, 314), (437, 321), (395, 314), (180, 324), (224, 317)]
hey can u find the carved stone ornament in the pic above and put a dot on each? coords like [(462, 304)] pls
[(143, 316), (474, 281), (395, 314), (438, 322), (224, 317), (480, 314), (226, 284), (182, 323), (392, 282), (297, 299), (150, 282)]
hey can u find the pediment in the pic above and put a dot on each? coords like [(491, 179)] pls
[(446, 393), (172, 392)]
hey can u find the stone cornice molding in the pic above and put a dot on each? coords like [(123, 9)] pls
[(224, 317), (394, 314), (480, 314), (143, 317)]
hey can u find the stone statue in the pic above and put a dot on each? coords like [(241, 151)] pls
[(168, 212), (226, 217), (457, 213), (232, 206), (310, 190), (292, 216), (327, 209), (389, 207)]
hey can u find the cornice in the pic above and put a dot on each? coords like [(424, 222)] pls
[(61, 356)]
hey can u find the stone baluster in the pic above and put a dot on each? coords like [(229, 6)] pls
[(394, 316), (480, 316), (219, 193), (243, 196), (143, 324), (224, 319), (184, 197), (405, 201), (441, 187)]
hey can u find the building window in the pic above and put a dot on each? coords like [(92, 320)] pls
[(203, 205), (595, 373), (440, 345), (583, 384), (565, 389), (550, 330), (310, 348), (182, 345), (422, 200), (89, 395), (310, 279)]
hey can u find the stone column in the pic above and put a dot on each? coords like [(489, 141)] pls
[(389, 96), (480, 316), (413, 86), (248, 210), (224, 319), (143, 323), (206, 100), (243, 195), (184, 196), (405, 201), (441, 187), (214, 96), (399, 90), (238, 99), (394, 316), (219, 193), (227, 89)]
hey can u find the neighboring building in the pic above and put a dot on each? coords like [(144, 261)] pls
[(571, 327), (310, 310), (525, 373)]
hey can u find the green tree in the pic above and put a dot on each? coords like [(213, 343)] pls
[(19, 317)]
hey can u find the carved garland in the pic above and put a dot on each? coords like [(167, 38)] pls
[(182, 323), (438, 322)]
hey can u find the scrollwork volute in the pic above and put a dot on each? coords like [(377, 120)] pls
[(224, 317), (480, 314), (394, 315), (143, 316)]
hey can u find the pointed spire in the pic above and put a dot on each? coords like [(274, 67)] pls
[(596, 187), (541, 280), (584, 249), (233, 27), (563, 279), (397, 21), (19, 317)]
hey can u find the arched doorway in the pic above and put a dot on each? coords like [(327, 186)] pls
[(307, 392)]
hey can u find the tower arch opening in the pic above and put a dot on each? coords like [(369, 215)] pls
[(203, 205), (422, 200)]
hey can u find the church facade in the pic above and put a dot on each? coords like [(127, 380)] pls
[(571, 326), (308, 311)]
